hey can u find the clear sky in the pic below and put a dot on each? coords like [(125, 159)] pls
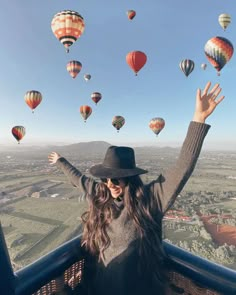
[(167, 31)]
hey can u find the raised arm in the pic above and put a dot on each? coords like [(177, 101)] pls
[(168, 186)]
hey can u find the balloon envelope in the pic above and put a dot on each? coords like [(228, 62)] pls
[(156, 125), (74, 67), (131, 14), (87, 77), (85, 111), (33, 98), (96, 97), (67, 26), (18, 132), (218, 51), (118, 122), (136, 60), (203, 66), (186, 66), (224, 20)]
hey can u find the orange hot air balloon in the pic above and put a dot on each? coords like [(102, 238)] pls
[(18, 132), (33, 98), (96, 97), (156, 125), (85, 111), (67, 26), (136, 60), (131, 14)]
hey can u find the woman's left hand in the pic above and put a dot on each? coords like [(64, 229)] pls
[(206, 102)]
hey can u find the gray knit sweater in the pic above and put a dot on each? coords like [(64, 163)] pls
[(117, 274)]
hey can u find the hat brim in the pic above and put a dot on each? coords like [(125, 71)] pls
[(106, 172)]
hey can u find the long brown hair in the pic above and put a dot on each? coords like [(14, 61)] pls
[(143, 210)]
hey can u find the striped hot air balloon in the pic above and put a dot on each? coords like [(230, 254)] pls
[(131, 14), (136, 60), (118, 122), (186, 66), (87, 77), (156, 125), (18, 132), (218, 51), (224, 20), (74, 67), (96, 97), (33, 98), (67, 26), (85, 111)]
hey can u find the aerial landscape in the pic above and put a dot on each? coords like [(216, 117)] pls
[(40, 210)]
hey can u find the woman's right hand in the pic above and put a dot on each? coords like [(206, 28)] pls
[(53, 157)]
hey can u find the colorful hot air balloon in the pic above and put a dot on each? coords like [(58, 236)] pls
[(74, 67), (85, 111), (156, 125), (96, 96), (118, 122), (18, 132), (136, 60), (131, 14), (203, 66), (87, 77), (33, 98), (186, 66), (219, 51), (67, 26), (224, 20)]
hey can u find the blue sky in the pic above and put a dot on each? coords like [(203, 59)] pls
[(167, 31)]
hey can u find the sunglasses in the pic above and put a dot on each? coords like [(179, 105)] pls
[(115, 181)]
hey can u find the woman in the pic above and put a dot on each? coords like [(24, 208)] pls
[(123, 225)]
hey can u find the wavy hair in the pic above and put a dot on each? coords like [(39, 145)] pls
[(143, 211)]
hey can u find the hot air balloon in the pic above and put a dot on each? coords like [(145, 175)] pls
[(87, 77), (156, 125), (85, 111), (186, 66), (118, 122), (18, 132), (33, 98), (136, 60), (219, 51), (131, 14), (224, 20), (67, 26), (96, 96), (203, 66), (74, 67)]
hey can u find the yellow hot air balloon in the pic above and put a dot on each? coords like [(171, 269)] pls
[(67, 26), (224, 20)]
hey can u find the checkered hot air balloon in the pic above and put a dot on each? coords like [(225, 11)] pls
[(33, 98), (96, 97), (67, 26), (219, 51), (85, 111), (18, 132), (187, 66), (156, 125), (118, 122), (74, 67)]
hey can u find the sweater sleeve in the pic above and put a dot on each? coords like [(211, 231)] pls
[(167, 187), (85, 184)]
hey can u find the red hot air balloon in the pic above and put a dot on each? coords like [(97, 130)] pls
[(131, 14), (136, 60), (18, 132), (85, 111), (33, 98), (219, 51), (74, 67), (96, 97), (156, 125), (118, 122), (67, 26)]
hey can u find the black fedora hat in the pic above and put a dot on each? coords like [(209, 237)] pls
[(119, 162)]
